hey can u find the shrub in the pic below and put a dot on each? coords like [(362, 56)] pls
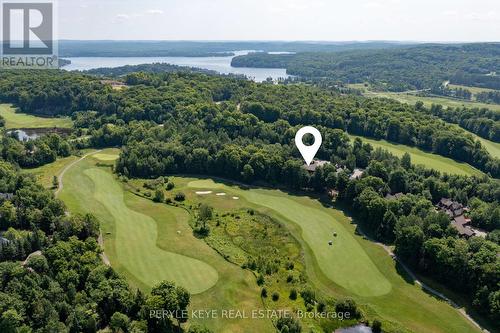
[(119, 322), (263, 292), (347, 305), (170, 185), (289, 325), (289, 278), (293, 294), (276, 296), (260, 280), (309, 296), (159, 196), (180, 196), (377, 326)]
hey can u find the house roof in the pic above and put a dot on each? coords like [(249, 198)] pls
[(445, 202), (460, 223), (394, 196), (357, 174), (315, 164), (6, 196)]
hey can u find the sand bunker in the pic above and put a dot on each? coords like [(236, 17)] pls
[(203, 192), (236, 198), (220, 194)]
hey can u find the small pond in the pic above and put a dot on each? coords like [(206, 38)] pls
[(26, 134), (355, 329)]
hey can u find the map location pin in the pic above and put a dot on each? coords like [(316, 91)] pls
[(308, 152)]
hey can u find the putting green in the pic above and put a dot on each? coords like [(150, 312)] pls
[(345, 262), (136, 236), (105, 157)]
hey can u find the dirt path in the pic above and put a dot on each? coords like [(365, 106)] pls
[(61, 175), (422, 284), (104, 257)]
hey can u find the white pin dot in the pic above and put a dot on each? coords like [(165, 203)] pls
[(308, 152)]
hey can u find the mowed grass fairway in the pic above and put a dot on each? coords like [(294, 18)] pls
[(148, 242), (429, 160), (15, 119), (345, 262), (135, 242), (336, 270), (411, 98)]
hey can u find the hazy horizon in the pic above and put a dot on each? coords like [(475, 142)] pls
[(280, 20)]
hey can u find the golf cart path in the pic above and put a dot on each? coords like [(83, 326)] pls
[(436, 293), (60, 186), (61, 175)]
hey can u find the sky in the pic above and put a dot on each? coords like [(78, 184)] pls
[(318, 20)]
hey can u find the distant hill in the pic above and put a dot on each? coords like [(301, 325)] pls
[(394, 69), (103, 48)]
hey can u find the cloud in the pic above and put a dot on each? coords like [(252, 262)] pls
[(372, 5), (122, 17), (155, 12)]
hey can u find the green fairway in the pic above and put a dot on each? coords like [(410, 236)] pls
[(492, 147), (106, 157), (136, 236), (15, 119), (411, 98), (335, 270), (46, 172), (432, 161), (344, 262), (148, 242)]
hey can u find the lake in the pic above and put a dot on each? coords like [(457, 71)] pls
[(218, 64)]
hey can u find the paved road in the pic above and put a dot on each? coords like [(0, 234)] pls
[(423, 285)]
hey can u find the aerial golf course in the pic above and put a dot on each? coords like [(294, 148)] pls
[(149, 242)]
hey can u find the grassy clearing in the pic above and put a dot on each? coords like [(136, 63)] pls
[(492, 147), (46, 172), (15, 119), (139, 237), (429, 160), (392, 296), (106, 157), (411, 98), (473, 90), (135, 241)]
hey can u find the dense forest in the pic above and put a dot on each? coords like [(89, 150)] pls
[(398, 69), (63, 286), (170, 123), (156, 97)]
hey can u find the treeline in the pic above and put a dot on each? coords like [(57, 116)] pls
[(69, 48), (483, 122), (36, 152), (65, 287), (158, 97), (149, 68), (483, 80), (398, 69), (460, 93), (488, 97)]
